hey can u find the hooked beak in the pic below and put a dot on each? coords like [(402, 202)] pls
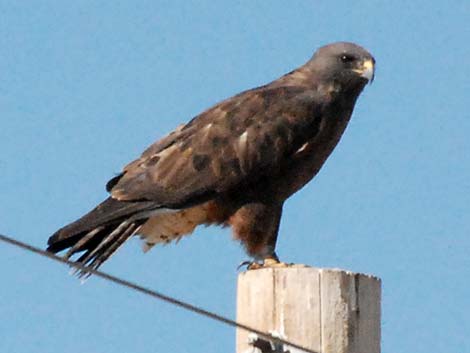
[(367, 70)]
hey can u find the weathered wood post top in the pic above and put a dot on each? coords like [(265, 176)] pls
[(325, 310)]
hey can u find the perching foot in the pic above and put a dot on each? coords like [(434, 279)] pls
[(269, 262)]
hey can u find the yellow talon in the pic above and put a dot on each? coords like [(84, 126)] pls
[(269, 262), (272, 262), (254, 266)]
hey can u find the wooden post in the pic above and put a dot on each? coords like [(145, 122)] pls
[(325, 310)]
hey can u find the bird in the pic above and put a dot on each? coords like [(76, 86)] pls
[(234, 165)]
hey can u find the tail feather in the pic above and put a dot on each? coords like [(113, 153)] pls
[(109, 212), (99, 233), (105, 242), (83, 243), (106, 252), (96, 245)]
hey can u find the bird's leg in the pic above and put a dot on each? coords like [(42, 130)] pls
[(257, 225)]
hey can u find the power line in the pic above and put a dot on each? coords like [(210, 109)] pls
[(150, 292)]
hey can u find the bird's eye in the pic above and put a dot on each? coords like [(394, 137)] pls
[(345, 58)]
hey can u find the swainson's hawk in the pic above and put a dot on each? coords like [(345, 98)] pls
[(233, 165)]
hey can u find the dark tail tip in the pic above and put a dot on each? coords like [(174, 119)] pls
[(95, 246)]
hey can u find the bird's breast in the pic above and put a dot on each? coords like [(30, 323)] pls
[(310, 157)]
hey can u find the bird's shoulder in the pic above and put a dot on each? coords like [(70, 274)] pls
[(233, 116), (228, 144)]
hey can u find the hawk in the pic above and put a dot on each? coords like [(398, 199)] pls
[(232, 165)]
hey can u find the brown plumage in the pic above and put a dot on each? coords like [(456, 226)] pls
[(235, 164)]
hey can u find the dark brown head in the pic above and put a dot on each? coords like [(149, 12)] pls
[(344, 63)]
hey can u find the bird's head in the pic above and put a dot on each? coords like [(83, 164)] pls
[(345, 63)]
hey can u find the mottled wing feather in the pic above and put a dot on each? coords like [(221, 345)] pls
[(233, 143)]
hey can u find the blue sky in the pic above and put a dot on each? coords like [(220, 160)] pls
[(85, 86)]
